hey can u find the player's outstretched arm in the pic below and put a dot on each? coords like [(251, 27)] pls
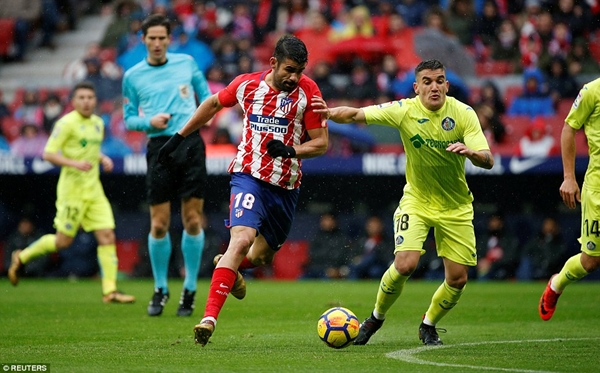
[(202, 115), (341, 114)]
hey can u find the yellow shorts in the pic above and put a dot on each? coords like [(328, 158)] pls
[(590, 225), (453, 230), (92, 215)]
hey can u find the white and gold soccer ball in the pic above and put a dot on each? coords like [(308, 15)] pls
[(338, 327)]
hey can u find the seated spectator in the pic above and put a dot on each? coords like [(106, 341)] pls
[(362, 85), (561, 84), (30, 143), (488, 23), (25, 14), (412, 11), (329, 253), (546, 251), (215, 78), (30, 110), (4, 110), (241, 26), (119, 24), (492, 126), (498, 251), (321, 74), (76, 70), (535, 99), (316, 35), (491, 96), (435, 37), (200, 52), (537, 141), (505, 45), (133, 37), (107, 88), (580, 61), (227, 55), (359, 25), (372, 255), (52, 109), (48, 23), (26, 234), (461, 20)]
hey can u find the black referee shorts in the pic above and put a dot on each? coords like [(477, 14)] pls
[(184, 177)]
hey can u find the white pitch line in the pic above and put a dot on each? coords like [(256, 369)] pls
[(408, 355)]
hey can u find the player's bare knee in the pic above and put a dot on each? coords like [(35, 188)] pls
[(405, 268)]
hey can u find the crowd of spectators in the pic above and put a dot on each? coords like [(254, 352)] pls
[(361, 52)]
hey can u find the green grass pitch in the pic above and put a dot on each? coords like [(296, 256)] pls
[(494, 328)]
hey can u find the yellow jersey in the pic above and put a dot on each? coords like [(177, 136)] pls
[(78, 138), (435, 177), (586, 111)]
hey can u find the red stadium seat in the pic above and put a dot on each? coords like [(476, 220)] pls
[(490, 67), (11, 128), (7, 25), (289, 262)]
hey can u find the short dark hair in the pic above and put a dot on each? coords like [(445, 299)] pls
[(289, 46), (86, 84), (429, 65), (156, 20)]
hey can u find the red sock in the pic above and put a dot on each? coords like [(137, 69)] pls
[(220, 285), (246, 264)]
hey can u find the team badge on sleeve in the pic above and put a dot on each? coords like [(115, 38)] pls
[(448, 124)]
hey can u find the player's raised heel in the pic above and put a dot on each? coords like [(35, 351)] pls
[(118, 297), (368, 327), (203, 332), (15, 268), (239, 286)]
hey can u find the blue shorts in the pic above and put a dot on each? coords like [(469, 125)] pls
[(267, 208)]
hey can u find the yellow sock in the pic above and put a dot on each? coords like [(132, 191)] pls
[(390, 288), (571, 272), (44, 245), (107, 258), (443, 300)]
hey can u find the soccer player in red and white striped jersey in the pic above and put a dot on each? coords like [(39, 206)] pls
[(280, 129)]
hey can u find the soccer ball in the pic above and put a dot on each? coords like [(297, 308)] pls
[(338, 327)]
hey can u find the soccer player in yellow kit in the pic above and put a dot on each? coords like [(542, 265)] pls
[(584, 112), (438, 133), (74, 145)]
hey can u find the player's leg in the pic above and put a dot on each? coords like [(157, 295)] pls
[(410, 231), (455, 240), (66, 221), (159, 249), (192, 245), (223, 280), (580, 265), (98, 217)]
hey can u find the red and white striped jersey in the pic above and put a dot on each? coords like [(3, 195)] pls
[(268, 115)]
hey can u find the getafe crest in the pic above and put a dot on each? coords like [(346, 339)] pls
[(448, 124)]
